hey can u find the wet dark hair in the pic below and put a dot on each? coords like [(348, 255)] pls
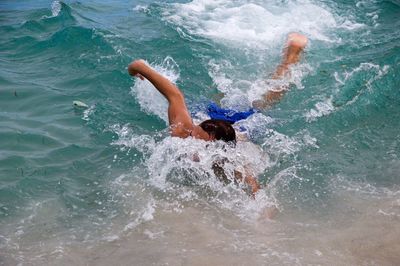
[(219, 129)]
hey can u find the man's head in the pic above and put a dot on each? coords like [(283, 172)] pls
[(219, 130)]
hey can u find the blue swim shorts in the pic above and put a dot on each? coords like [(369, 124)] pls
[(228, 115)]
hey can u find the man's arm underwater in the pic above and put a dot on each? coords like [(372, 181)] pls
[(250, 180), (243, 175)]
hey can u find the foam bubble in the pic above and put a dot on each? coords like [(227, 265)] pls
[(56, 8), (88, 112), (141, 8), (321, 109)]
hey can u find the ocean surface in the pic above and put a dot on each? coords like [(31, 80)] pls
[(106, 185)]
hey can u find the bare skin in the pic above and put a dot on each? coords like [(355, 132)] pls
[(180, 121)]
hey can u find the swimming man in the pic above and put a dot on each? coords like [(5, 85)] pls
[(180, 121)]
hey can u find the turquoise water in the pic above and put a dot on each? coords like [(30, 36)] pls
[(76, 183)]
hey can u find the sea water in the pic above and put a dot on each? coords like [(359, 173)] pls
[(107, 185)]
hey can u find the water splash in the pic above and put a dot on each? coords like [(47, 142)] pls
[(253, 23)]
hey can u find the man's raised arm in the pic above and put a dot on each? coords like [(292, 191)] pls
[(179, 119)]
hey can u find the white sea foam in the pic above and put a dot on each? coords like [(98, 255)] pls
[(141, 8), (56, 8), (88, 112), (374, 16), (254, 23), (322, 108), (235, 89), (150, 100), (309, 140), (127, 139), (218, 74)]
